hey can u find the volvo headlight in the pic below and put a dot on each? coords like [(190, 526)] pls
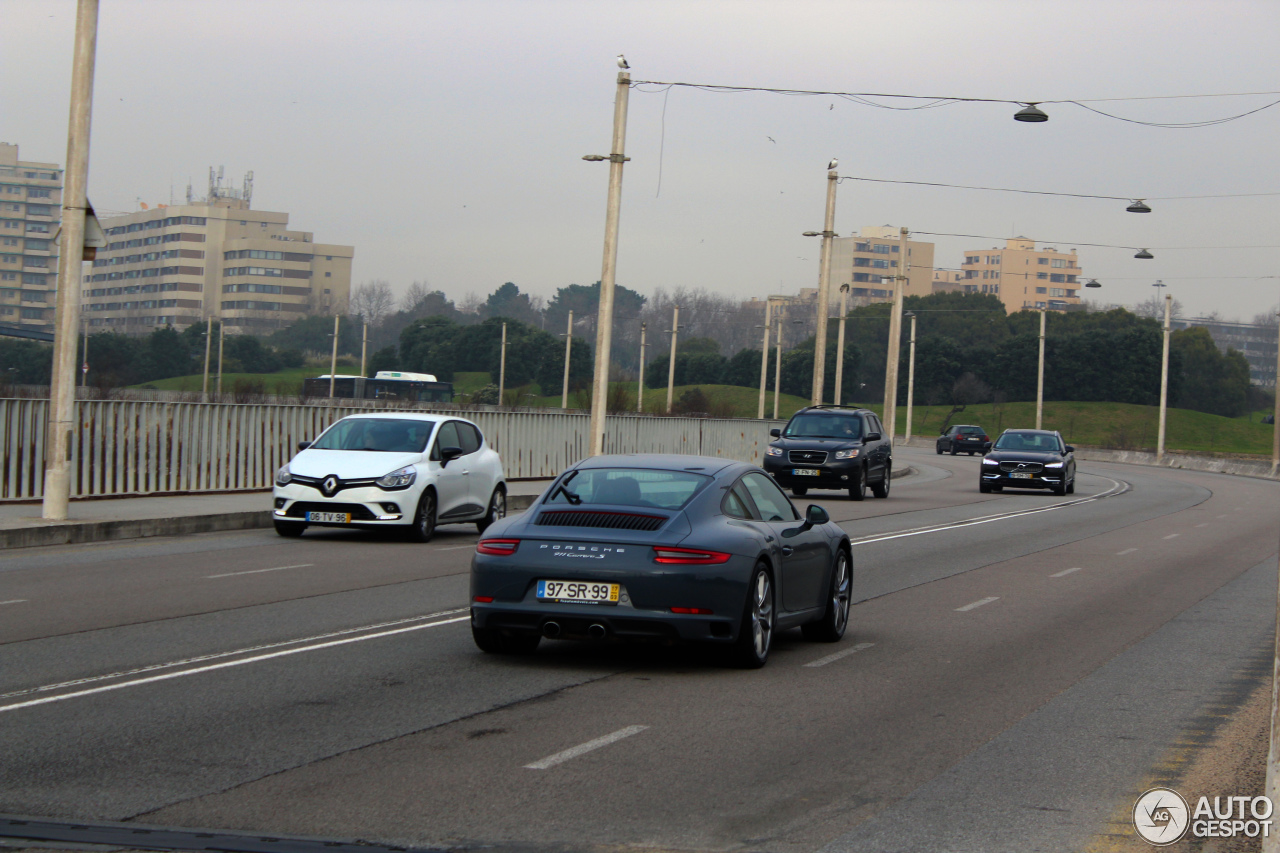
[(773, 451), (990, 462), (1053, 465), (398, 479), (846, 454), (283, 477)]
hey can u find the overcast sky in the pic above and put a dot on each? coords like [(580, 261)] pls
[(444, 139)]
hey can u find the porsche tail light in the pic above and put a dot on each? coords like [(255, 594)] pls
[(497, 547), (696, 611), (688, 556), (483, 599)]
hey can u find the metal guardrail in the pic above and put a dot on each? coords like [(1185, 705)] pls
[(124, 447)]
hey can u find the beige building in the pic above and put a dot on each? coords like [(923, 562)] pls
[(30, 210), (1024, 277), (216, 258), (868, 261)]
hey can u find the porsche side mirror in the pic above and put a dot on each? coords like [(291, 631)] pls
[(813, 516)]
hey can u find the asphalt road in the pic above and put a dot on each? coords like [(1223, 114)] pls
[(1018, 666)]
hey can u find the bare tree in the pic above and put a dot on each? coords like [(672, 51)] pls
[(1266, 318), (373, 301), (1153, 308), (470, 304), (414, 296)]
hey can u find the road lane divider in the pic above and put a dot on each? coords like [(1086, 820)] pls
[(1118, 487), (583, 748), (1064, 573), (259, 571), (15, 601), (832, 658), (1171, 536), (974, 605), (273, 650), (1125, 551)]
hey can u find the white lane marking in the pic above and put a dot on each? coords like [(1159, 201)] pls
[(1117, 488), (1205, 524), (1222, 516), (583, 748), (260, 571), (14, 601), (1171, 536), (215, 656), (454, 547), (1125, 551), (225, 664), (1065, 573), (844, 654), (975, 605)]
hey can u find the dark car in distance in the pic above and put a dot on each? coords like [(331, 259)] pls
[(1029, 459), (661, 547), (831, 447), (963, 438)]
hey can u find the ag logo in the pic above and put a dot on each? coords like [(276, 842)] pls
[(1161, 816)]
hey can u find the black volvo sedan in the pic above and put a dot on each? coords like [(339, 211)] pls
[(1029, 459), (661, 547)]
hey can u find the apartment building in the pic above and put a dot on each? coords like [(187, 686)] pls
[(1256, 343), (217, 258), (869, 260), (1024, 277), (30, 210)]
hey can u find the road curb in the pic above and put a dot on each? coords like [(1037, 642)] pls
[(43, 533)]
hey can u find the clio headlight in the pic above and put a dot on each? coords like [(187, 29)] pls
[(773, 451), (847, 454), (398, 479), (283, 477)]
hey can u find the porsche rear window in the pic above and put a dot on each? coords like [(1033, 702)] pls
[(638, 487)]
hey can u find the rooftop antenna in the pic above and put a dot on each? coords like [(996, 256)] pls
[(190, 194), (248, 187)]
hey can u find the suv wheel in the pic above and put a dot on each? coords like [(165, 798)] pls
[(859, 491), (799, 491), (881, 489)]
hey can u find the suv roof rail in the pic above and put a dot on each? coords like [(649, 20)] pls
[(835, 406)]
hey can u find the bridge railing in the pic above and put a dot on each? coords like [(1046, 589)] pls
[(124, 447)]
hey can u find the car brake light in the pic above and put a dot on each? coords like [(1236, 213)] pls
[(696, 611), (483, 599), (497, 547), (688, 556)]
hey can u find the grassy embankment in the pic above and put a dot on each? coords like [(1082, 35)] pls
[(1119, 425)]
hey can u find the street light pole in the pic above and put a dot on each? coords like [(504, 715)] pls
[(671, 364), (911, 375), (838, 393), (1164, 381), (604, 320), (824, 291), (502, 366), (568, 348), (333, 358), (640, 389), (764, 358), (777, 372), (895, 340), (208, 342), (364, 347), (1275, 417), (221, 328), (62, 383), (1040, 376)]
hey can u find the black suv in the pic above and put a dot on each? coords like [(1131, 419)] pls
[(831, 447)]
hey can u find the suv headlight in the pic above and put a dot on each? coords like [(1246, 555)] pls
[(283, 477), (399, 479), (773, 451), (846, 454)]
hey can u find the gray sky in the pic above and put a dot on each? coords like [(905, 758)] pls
[(443, 139)]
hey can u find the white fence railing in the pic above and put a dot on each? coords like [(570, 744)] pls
[(124, 447)]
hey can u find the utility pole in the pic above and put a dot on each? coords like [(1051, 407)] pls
[(1164, 381), (502, 366), (777, 372), (568, 346), (208, 342), (764, 357), (364, 347), (824, 291), (911, 375), (62, 383), (221, 328), (1040, 377), (604, 319), (640, 390), (844, 309), (1275, 422), (895, 340), (84, 368), (333, 358), (671, 364)]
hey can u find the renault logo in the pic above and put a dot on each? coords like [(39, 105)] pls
[(330, 485)]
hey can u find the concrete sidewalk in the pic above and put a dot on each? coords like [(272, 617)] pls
[(173, 515)]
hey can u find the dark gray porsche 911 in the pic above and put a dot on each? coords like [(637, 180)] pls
[(661, 547)]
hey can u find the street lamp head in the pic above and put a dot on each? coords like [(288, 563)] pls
[(1139, 206), (1030, 112), (1093, 282), (1159, 283), (595, 158), (812, 234), (909, 314), (1144, 255)]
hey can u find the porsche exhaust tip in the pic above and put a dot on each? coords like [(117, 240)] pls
[(597, 631), (551, 630)]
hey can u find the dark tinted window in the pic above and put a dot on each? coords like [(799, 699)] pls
[(448, 436), (1029, 441), (824, 425), (470, 437), (969, 430)]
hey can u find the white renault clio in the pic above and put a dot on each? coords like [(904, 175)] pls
[(389, 469)]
